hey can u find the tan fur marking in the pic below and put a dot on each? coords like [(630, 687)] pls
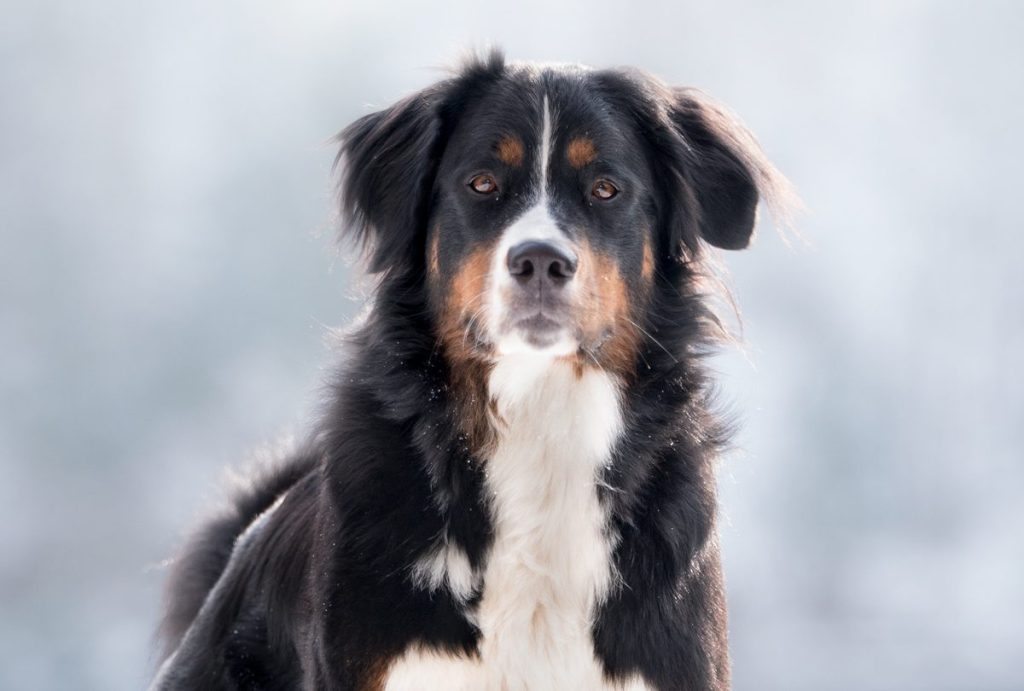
[(510, 151), (647, 269), (469, 368), (467, 288), (605, 307), (581, 151), (434, 256)]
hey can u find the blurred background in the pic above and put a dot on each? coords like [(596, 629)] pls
[(167, 282)]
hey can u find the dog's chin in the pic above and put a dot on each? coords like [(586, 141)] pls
[(537, 335)]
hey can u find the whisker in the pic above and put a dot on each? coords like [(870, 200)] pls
[(656, 341), (472, 320), (592, 357)]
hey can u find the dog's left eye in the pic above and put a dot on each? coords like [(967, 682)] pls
[(604, 190), (483, 184)]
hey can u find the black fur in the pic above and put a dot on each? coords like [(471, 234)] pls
[(315, 594)]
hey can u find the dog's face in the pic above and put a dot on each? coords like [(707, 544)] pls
[(540, 232), (541, 206)]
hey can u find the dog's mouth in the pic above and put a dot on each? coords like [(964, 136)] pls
[(540, 330), (536, 330)]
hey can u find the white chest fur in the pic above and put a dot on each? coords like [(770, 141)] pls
[(550, 564), (551, 560)]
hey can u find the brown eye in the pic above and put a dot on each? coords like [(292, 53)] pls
[(604, 190), (483, 184)]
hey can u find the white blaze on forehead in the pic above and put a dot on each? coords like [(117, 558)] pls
[(545, 148), (536, 224)]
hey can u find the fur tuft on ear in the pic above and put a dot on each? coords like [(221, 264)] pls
[(387, 162)]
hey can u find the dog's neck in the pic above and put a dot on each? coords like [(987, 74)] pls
[(543, 390)]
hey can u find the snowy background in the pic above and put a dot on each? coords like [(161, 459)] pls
[(166, 287)]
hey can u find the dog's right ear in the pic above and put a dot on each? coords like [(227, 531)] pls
[(388, 161)]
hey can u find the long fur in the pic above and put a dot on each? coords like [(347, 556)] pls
[(327, 570)]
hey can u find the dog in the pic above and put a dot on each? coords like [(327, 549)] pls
[(512, 484)]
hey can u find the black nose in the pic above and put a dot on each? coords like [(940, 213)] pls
[(548, 263)]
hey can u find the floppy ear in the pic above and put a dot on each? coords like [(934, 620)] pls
[(387, 163), (723, 167), (710, 170)]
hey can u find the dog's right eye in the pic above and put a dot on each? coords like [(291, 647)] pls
[(604, 190), (483, 184)]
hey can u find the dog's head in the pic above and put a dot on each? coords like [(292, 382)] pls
[(544, 207)]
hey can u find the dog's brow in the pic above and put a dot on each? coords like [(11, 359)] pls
[(581, 151), (510, 150)]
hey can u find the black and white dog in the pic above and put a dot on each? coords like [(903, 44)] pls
[(512, 486)]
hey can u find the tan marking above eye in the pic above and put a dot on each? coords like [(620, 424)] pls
[(604, 190), (580, 152), (510, 151), (484, 184)]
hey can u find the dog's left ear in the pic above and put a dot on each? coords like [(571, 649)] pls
[(723, 168), (711, 171)]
